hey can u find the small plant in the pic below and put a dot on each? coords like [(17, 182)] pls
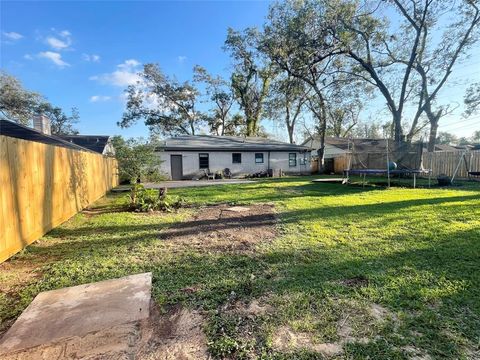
[(146, 200)]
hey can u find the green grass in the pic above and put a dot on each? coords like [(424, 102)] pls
[(416, 252)]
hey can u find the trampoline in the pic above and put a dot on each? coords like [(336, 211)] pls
[(407, 156)]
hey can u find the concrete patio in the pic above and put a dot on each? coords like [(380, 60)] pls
[(70, 319)]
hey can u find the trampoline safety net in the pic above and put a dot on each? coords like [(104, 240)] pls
[(372, 154)]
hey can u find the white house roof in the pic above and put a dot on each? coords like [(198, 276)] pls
[(226, 143)]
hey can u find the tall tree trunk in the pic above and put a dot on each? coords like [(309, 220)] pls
[(321, 115), (397, 127), (290, 133), (322, 130), (432, 137)]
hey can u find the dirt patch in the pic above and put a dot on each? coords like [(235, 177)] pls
[(355, 282), (285, 339), (381, 314), (178, 334), (225, 228), (252, 309)]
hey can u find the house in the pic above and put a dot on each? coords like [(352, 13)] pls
[(189, 156), (41, 133), (98, 143)]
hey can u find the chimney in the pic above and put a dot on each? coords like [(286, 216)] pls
[(42, 123)]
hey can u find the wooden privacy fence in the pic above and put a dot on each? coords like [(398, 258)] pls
[(445, 162), (43, 185), (442, 162)]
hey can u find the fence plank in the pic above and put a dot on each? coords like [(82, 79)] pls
[(44, 185), (445, 162)]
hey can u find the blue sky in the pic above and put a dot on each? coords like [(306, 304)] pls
[(84, 54)]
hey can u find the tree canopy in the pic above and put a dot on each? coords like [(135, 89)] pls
[(21, 105)]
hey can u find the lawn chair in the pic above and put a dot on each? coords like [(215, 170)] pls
[(209, 174), (227, 174)]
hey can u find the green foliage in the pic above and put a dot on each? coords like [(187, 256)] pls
[(16, 103), (251, 77), (136, 159), (472, 99), (167, 106), (60, 122), (20, 105), (145, 200)]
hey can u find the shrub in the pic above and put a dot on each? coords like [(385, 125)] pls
[(145, 200)]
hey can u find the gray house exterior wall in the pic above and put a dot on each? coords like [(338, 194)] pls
[(219, 160)]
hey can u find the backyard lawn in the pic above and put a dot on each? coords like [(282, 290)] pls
[(285, 268)]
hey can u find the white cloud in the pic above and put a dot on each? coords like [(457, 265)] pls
[(12, 35), (61, 40), (54, 57), (28, 57), (181, 59), (126, 74), (129, 64), (99, 98), (57, 44), (91, 58)]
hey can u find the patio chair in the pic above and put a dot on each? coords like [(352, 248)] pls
[(209, 175), (227, 174)]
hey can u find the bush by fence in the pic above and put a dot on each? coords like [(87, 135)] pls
[(44, 185)]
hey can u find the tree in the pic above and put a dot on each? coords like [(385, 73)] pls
[(472, 99), (136, 158), (16, 103), (219, 120), (20, 105), (251, 77), (435, 60), (61, 123), (344, 104), (366, 42), (287, 100), (476, 137), (166, 106), (445, 138), (296, 39)]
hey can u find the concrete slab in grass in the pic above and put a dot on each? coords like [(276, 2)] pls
[(79, 310)]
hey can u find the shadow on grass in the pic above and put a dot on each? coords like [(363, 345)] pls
[(190, 227)]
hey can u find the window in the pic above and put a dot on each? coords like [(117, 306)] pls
[(303, 160), (236, 158), (258, 158), (292, 159), (203, 160)]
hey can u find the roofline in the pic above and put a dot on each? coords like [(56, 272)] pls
[(80, 136), (229, 149), (63, 143)]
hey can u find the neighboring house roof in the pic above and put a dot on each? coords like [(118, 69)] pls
[(226, 143), (11, 129), (95, 143), (457, 148), (346, 144)]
